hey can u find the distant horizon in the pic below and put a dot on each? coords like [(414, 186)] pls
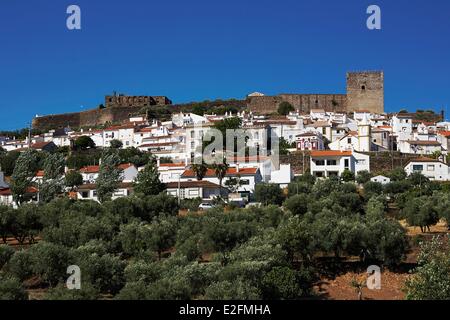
[(203, 50)]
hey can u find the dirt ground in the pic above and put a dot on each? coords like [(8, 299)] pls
[(341, 289)]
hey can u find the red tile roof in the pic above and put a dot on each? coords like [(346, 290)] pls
[(424, 159), (40, 173), (444, 133), (330, 153), (193, 184), (92, 186), (424, 143), (96, 169), (230, 172)]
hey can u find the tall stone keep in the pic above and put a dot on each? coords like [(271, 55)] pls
[(365, 91)]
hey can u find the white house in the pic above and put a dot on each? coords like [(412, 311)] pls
[(171, 172), (328, 163), (89, 191), (381, 179), (419, 146), (90, 173), (283, 176), (444, 138), (431, 168), (205, 190), (248, 178)]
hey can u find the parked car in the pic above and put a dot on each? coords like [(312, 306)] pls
[(205, 206)]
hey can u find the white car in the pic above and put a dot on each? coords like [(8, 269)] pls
[(205, 206)]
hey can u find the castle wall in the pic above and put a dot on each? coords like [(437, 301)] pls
[(87, 118), (365, 91), (302, 102)]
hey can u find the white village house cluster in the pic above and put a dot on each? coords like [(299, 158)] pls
[(335, 142)]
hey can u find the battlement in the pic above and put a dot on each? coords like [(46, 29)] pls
[(121, 101)]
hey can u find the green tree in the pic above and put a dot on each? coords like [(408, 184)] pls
[(147, 181), (73, 179), (347, 176), (83, 143), (26, 223), (363, 176), (200, 170), (11, 289), (398, 174), (418, 179), (232, 290), (24, 171), (6, 253), (7, 220), (297, 204), (163, 234), (268, 193), (53, 181), (109, 176), (116, 144), (284, 108), (8, 162), (372, 188), (220, 170), (285, 283), (19, 265), (60, 292), (420, 212), (104, 273), (49, 261), (431, 279)]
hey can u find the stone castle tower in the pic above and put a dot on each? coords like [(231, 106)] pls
[(365, 91)]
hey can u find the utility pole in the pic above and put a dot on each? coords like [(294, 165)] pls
[(179, 188), (29, 136)]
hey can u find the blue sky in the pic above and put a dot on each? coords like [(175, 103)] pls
[(206, 49)]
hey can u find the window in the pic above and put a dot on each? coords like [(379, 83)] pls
[(320, 162), (94, 193), (417, 167), (430, 167), (192, 134), (245, 182), (85, 194), (193, 193), (331, 162), (346, 163), (349, 140), (318, 174)]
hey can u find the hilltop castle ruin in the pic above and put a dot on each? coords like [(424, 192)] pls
[(365, 91)]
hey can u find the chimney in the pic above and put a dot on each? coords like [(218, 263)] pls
[(237, 167)]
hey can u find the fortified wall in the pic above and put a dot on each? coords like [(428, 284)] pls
[(365, 91), (88, 118), (118, 108)]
